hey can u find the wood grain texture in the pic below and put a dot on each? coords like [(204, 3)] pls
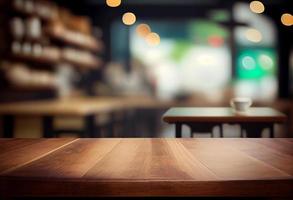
[(72, 161), (222, 114), (154, 167), (269, 155), (17, 152), (214, 153)]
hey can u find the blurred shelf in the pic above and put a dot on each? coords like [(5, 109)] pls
[(89, 65), (31, 88), (41, 40), (10, 94), (36, 59), (24, 13), (68, 37), (54, 62)]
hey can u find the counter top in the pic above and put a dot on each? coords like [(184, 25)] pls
[(146, 167)]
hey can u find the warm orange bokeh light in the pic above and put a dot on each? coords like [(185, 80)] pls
[(257, 7), (143, 30), (113, 3), (287, 19), (153, 39), (129, 18)]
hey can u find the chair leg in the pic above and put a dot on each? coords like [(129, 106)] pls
[(221, 131), (8, 126), (178, 130), (90, 129), (48, 127), (271, 129), (242, 133)]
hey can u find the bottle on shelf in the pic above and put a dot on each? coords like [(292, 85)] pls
[(17, 28), (16, 47), (37, 50), (33, 28)]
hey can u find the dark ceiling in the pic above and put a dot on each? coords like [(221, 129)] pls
[(186, 2)]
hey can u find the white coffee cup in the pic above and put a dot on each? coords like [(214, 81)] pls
[(240, 104)]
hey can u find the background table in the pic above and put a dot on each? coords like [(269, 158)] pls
[(146, 167), (87, 108), (204, 119)]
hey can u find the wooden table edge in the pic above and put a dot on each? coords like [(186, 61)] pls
[(112, 188), (232, 119)]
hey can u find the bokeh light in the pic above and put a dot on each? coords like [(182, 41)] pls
[(153, 39), (257, 7), (113, 3), (287, 19), (253, 35), (266, 62), (129, 18), (215, 40), (248, 63), (143, 30)]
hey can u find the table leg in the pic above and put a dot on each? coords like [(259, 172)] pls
[(241, 132), (254, 130), (8, 126), (121, 124), (271, 129), (178, 128), (153, 126), (133, 121), (48, 130), (221, 130), (205, 127), (110, 125), (129, 124), (90, 129)]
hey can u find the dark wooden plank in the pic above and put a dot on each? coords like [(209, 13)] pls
[(230, 164), (32, 149), (268, 155), (121, 162), (72, 161), (149, 159), (277, 145), (10, 144)]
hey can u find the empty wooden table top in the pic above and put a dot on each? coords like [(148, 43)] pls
[(146, 167), (222, 115)]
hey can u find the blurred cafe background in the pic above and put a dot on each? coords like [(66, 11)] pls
[(127, 61)]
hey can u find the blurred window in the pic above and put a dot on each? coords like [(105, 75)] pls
[(192, 57)]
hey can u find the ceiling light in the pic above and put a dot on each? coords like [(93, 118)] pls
[(257, 7), (143, 30), (129, 18), (113, 3), (153, 39), (287, 19)]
